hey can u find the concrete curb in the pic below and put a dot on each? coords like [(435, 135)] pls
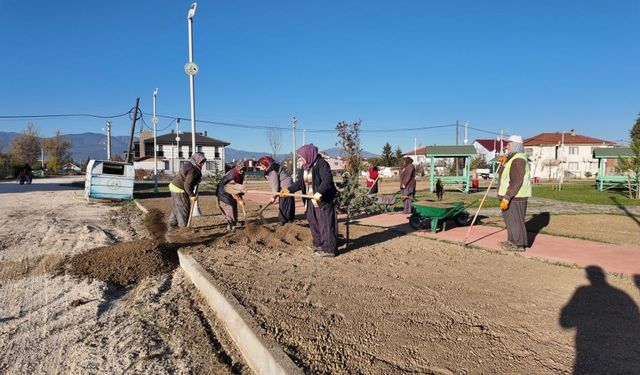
[(140, 206), (262, 354)]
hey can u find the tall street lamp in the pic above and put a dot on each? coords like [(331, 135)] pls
[(155, 122), (192, 69)]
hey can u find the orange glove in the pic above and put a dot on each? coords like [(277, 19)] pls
[(502, 159), (504, 204)]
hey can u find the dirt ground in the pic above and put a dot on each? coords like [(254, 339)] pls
[(395, 303), (85, 288)]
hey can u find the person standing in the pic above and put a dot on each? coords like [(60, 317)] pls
[(278, 179), (372, 180), (315, 179), (407, 184), (514, 190), (183, 190), (228, 197)]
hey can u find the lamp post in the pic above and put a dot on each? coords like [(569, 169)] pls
[(155, 122), (294, 121), (191, 68)]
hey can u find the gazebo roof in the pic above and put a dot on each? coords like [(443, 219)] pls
[(450, 151), (612, 152)]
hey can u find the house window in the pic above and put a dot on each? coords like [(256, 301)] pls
[(211, 166), (217, 153), (573, 150), (199, 148), (573, 166), (166, 165)]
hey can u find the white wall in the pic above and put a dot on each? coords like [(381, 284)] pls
[(171, 153), (576, 163)]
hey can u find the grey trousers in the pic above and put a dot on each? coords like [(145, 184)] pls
[(323, 223), (180, 206), (230, 212), (514, 220)]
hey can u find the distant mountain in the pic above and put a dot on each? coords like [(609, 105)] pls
[(5, 140), (337, 151), (94, 145), (231, 154)]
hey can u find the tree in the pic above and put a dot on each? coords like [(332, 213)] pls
[(398, 157), (25, 147), (478, 162), (57, 148), (631, 165), (274, 135), (387, 155), (352, 197), (635, 130)]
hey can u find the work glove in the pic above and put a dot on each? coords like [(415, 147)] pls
[(283, 193), (504, 204), (316, 197), (502, 159)]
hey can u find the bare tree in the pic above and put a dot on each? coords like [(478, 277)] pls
[(275, 140), (25, 147)]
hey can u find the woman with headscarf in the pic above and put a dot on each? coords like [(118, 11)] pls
[(372, 179), (278, 179), (407, 184), (228, 201), (183, 190), (315, 179)]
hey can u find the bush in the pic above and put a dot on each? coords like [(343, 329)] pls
[(588, 174)]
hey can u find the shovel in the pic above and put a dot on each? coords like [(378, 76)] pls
[(244, 213), (191, 212), (260, 217), (295, 195)]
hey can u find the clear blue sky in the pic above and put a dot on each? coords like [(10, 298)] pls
[(522, 66)]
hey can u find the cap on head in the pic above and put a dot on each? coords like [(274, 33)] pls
[(265, 161), (515, 138)]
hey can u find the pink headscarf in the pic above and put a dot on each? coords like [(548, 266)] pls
[(309, 153)]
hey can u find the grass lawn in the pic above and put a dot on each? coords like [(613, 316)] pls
[(585, 193)]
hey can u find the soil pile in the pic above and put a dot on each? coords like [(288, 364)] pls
[(156, 226), (125, 264), (260, 237)]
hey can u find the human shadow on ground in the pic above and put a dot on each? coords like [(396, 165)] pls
[(607, 324), (624, 209), (535, 224)]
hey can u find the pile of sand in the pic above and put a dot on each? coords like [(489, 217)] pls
[(268, 236)]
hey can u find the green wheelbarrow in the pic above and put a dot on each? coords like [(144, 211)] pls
[(435, 213)]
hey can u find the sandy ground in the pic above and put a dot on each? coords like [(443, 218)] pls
[(393, 304), (52, 322)]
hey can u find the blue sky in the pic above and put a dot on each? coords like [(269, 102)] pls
[(522, 66)]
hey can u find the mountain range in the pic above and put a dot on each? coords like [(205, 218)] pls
[(93, 146)]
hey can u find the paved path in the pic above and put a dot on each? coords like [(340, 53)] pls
[(41, 184), (612, 258)]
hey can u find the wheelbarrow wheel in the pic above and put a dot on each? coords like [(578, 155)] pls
[(416, 222), (463, 218)]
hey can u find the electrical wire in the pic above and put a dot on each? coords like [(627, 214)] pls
[(68, 115)]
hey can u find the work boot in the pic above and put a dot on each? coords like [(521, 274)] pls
[(509, 246), (314, 248)]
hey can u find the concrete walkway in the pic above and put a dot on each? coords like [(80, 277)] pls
[(612, 258)]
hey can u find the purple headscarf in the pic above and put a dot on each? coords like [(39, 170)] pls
[(309, 153)]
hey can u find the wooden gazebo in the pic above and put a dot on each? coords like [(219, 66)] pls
[(604, 181), (446, 152)]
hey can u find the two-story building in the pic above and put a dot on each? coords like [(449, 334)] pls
[(489, 148), (552, 154), (174, 149)]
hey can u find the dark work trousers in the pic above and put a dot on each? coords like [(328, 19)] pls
[(180, 206), (323, 223), (229, 212), (514, 220), (286, 210)]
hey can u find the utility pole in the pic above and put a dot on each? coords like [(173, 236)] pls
[(466, 125), (109, 140), (155, 122), (42, 158), (501, 141), (457, 160), (177, 165), (294, 121)]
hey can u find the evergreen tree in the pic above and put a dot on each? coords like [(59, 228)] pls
[(387, 155), (398, 157)]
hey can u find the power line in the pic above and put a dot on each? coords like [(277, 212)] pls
[(68, 115)]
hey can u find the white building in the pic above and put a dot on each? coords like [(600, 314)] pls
[(171, 154), (554, 153), (418, 156), (488, 148)]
